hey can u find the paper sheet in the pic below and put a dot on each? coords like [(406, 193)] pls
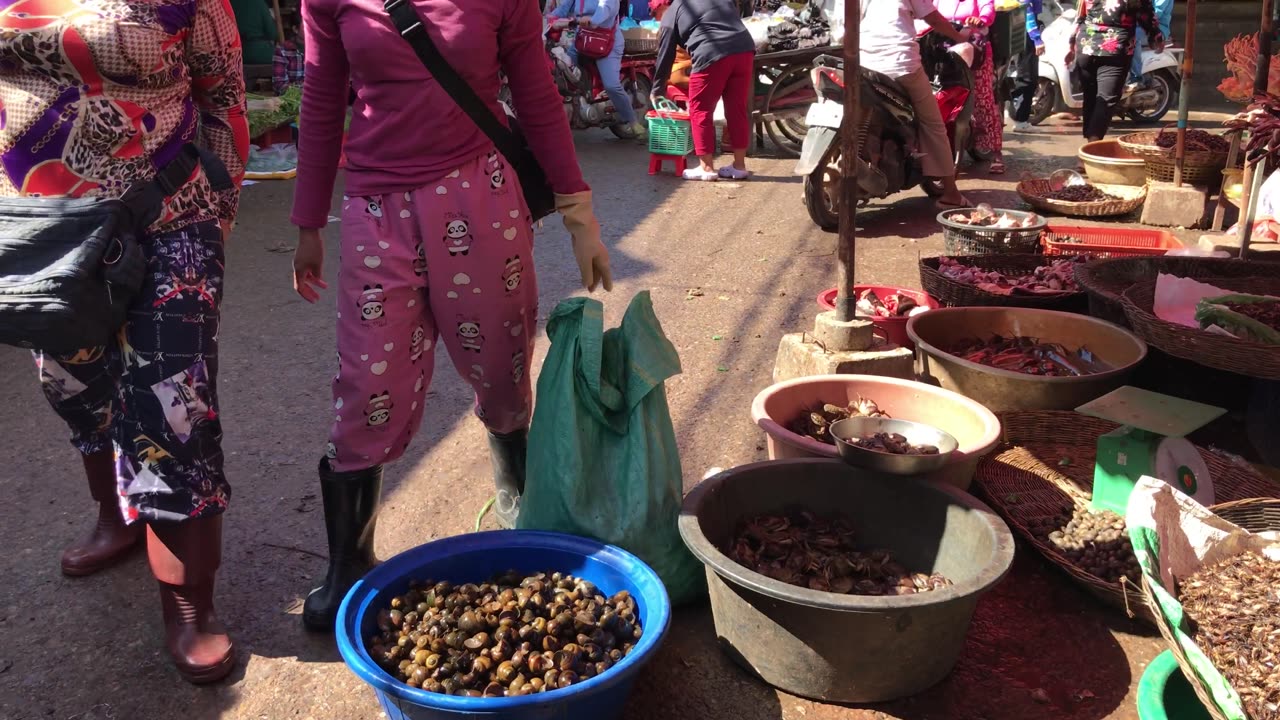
[(1176, 298)]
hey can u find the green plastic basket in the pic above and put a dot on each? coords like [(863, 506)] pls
[(670, 132)]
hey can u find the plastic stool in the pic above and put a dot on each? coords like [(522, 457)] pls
[(655, 163)]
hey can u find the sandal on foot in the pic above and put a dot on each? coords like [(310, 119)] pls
[(729, 172), (996, 168), (698, 173), (964, 203)]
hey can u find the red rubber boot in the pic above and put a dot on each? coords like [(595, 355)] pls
[(111, 540), (184, 558)]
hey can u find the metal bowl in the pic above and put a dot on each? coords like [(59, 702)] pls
[(845, 432), (1007, 391)]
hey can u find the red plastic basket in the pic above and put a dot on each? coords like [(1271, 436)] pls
[(1105, 242), (893, 329)]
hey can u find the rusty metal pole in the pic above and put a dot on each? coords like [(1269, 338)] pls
[(1261, 79), (1188, 62), (1265, 31), (846, 299)]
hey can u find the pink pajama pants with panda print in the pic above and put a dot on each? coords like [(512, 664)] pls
[(450, 262)]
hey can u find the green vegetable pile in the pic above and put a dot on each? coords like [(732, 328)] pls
[(261, 121), (1251, 317)]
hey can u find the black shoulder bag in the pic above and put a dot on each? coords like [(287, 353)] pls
[(509, 141), (70, 267)]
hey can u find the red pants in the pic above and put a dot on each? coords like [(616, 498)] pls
[(729, 78)]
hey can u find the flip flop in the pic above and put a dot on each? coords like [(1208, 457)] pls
[(996, 168), (954, 206)]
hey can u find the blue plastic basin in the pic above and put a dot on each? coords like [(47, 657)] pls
[(477, 557)]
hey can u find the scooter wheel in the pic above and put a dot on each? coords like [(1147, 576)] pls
[(820, 198)]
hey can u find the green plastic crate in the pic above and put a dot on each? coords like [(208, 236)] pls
[(670, 132)]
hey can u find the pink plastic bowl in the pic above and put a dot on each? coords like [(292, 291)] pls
[(892, 329), (973, 426)]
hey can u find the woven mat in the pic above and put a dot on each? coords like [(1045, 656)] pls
[(1045, 466)]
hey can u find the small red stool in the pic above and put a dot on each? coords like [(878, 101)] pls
[(655, 163)]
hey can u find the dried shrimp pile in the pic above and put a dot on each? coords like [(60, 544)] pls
[(1235, 608)]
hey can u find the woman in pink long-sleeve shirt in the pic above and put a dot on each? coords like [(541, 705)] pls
[(436, 242), (988, 120)]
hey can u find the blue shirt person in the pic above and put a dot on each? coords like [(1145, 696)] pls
[(1164, 16), (603, 14)]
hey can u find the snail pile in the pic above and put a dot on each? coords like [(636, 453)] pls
[(818, 553), (1096, 542), (894, 444), (1081, 193), (817, 423), (1234, 606), (515, 635)]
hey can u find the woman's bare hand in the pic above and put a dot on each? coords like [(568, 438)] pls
[(308, 265)]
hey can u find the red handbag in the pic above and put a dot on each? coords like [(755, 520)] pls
[(595, 43)]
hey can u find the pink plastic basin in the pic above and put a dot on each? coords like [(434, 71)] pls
[(973, 426), (892, 329)]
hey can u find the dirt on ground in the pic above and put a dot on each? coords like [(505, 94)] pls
[(731, 267)]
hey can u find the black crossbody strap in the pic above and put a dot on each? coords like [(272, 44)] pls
[(409, 24), (146, 200)]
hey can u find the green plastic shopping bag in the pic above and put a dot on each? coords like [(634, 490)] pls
[(603, 461)]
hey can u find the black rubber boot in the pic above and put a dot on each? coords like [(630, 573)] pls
[(350, 514), (507, 453)]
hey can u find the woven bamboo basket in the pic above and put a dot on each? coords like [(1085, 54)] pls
[(1143, 144), (1105, 279), (1224, 352), (1046, 466), (953, 293), (1127, 199), (1257, 515), (1253, 514), (1199, 167)]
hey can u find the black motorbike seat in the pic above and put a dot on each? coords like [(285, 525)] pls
[(884, 81)]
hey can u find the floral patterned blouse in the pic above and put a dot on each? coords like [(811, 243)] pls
[(1109, 26), (97, 94)]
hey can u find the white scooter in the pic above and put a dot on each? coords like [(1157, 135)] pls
[(1057, 91)]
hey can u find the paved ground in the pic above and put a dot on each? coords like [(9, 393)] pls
[(90, 649)]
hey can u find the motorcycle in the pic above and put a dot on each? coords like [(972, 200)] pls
[(586, 103), (888, 144), (1058, 91)]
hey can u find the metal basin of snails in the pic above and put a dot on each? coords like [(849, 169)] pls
[(365, 626), (853, 640), (974, 427), (897, 447), (1063, 360)]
